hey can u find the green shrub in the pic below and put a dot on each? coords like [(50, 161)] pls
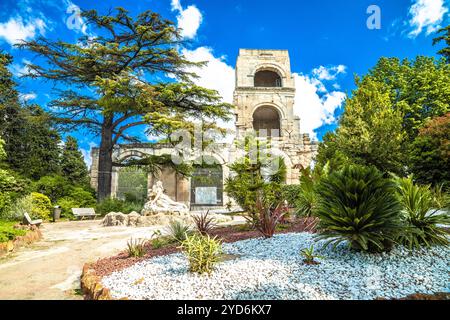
[(136, 248), (5, 204), (77, 198), (116, 205), (178, 230), (19, 207), (254, 173), (8, 232), (41, 206), (307, 198), (358, 205), (421, 218), (290, 193), (66, 204), (36, 204), (202, 252), (441, 197), (54, 187), (12, 187)]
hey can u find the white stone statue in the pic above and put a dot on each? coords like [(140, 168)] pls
[(158, 202)]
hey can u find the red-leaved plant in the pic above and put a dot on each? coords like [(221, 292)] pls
[(269, 217)]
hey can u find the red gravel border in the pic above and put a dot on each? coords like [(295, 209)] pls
[(106, 266)]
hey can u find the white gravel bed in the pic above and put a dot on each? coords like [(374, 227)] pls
[(273, 269)]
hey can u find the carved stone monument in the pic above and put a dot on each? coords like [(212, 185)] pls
[(160, 203)]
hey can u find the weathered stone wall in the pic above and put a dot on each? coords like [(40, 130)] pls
[(296, 148)]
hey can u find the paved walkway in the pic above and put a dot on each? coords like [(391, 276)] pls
[(51, 268)]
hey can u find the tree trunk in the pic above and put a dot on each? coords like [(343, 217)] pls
[(105, 160)]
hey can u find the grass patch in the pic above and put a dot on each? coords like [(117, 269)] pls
[(7, 231)]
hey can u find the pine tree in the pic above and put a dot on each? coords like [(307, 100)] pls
[(72, 163), (445, 37), (124, 69), (31, 143)]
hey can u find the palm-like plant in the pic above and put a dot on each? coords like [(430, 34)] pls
[(358, 205), (204, 223), (178, 230), (421, 218)]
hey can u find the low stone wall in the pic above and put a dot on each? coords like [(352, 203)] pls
[(91, 285), (33, 234)]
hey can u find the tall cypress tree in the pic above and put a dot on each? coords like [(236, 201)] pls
[(31, 144)]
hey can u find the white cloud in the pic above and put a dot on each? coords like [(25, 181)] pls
[(25, 97), (20, 69), (329, 73), (313, 103), (188, 19), (15, 29), (217, 74), (426, 15)]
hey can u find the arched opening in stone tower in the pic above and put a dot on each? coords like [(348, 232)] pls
[(207, 186), (267, 78), (267, 118)]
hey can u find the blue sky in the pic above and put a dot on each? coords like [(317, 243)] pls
[(328, 41)]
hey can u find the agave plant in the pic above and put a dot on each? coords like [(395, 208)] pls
[(178, 230), (358, 205), (422, 219), (136, 248)]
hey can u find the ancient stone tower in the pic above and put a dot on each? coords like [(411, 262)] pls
[(264, 97)]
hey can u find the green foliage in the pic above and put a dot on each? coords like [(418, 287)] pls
[(254, 173), (444, 36), (116, 205), (41, 206), (371, 131), (309, 257), (358, 205), (430, 152), (204, 223), (202, 252), (119, 100), (441, 197), (32, 145), (385, 114), (18, 208), (136, 248), (290, 193), (421, 218), (2, 149), (419, 89), (307, 198), (73, 167), (53, 186), (178, 230), (269, 216), (8, 232), (77, 198)]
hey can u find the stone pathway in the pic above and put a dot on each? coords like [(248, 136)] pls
[(51, 268)]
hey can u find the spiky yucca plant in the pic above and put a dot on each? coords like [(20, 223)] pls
[(423, 220), (358, 205), (202, 252)]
